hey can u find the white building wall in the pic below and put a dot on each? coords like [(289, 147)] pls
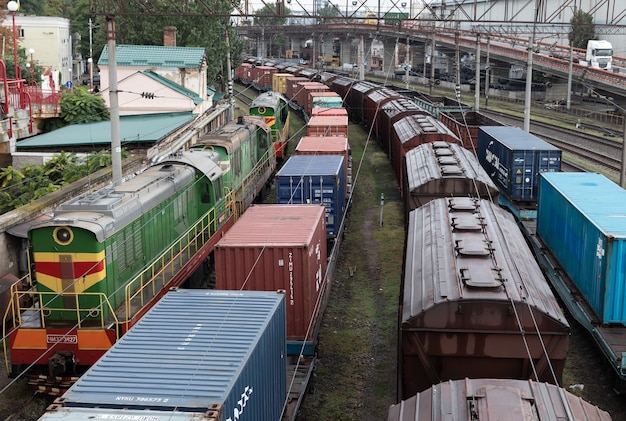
[(50, 38)]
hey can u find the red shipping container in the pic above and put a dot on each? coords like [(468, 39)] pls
[(305, 88), (278, 247), (292, 87), (262, 77), (323, 125), (329, 112), (313, 92)]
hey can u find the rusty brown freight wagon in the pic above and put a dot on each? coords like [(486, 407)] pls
[(442, 169), (474, 301), (465, 125), (391, 112), (495, 399), (279, 247), (412, 131)]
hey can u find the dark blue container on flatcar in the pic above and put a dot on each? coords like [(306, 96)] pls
[(514, 158), (315, 179), (195, 353)]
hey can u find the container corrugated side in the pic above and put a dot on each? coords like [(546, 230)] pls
[(329, 111), (278, 247), (328, 125), (581, 218), (292, 86), (195, 349), (514, 159), (314, 179), (279, 82)]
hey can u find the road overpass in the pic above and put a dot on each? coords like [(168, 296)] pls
[(551, 59)]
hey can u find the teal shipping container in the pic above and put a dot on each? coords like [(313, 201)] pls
[(581, 217)]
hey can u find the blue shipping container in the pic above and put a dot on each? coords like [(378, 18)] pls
[(315, 179), (514, 158), (581, 217), (196, 350)]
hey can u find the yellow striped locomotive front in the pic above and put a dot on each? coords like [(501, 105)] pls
[(274, 108), (102, 260)]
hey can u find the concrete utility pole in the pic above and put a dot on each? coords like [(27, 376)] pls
[(362, 63), (487, 81), (229, 70), (529, 73), (432, 59), (116, 146), (477, 76)]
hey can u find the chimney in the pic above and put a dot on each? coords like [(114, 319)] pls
[(169, 36)]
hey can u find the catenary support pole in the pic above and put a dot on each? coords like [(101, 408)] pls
[(116, 147)]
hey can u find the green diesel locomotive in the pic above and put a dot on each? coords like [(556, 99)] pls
[(102, 260)]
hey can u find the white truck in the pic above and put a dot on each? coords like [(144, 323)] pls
[(599, 54)]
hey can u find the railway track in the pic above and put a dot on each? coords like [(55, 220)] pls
[(585, 151), (244, 94)]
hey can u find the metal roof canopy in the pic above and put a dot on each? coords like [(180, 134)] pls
[(147, 128)]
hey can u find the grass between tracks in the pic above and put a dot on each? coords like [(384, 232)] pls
[(355, 377)]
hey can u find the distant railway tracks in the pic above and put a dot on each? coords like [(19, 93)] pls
[(244, 94), (584, 151)]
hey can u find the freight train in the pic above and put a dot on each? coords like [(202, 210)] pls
[(255, 254), (102, 260), (380, 109)]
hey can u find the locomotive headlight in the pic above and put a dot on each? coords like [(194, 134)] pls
[(63, 235)]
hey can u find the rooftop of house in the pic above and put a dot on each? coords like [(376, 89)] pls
[(154, 56)]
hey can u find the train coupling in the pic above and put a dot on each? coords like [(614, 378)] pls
[(61, 362)]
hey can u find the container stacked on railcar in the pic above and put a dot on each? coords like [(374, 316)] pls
[(579, 240), (198, 354), (514, 158), (474, 302), (329, 145), (315, 179), (102, 260), (485, 310), (280, 247)]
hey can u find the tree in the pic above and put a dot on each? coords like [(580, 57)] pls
[(269, 16), (79, 106), (329, 11), (196, 30), (583, 29)]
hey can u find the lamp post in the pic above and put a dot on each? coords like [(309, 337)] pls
[(31, 67), (90, 63), (12, 6)]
